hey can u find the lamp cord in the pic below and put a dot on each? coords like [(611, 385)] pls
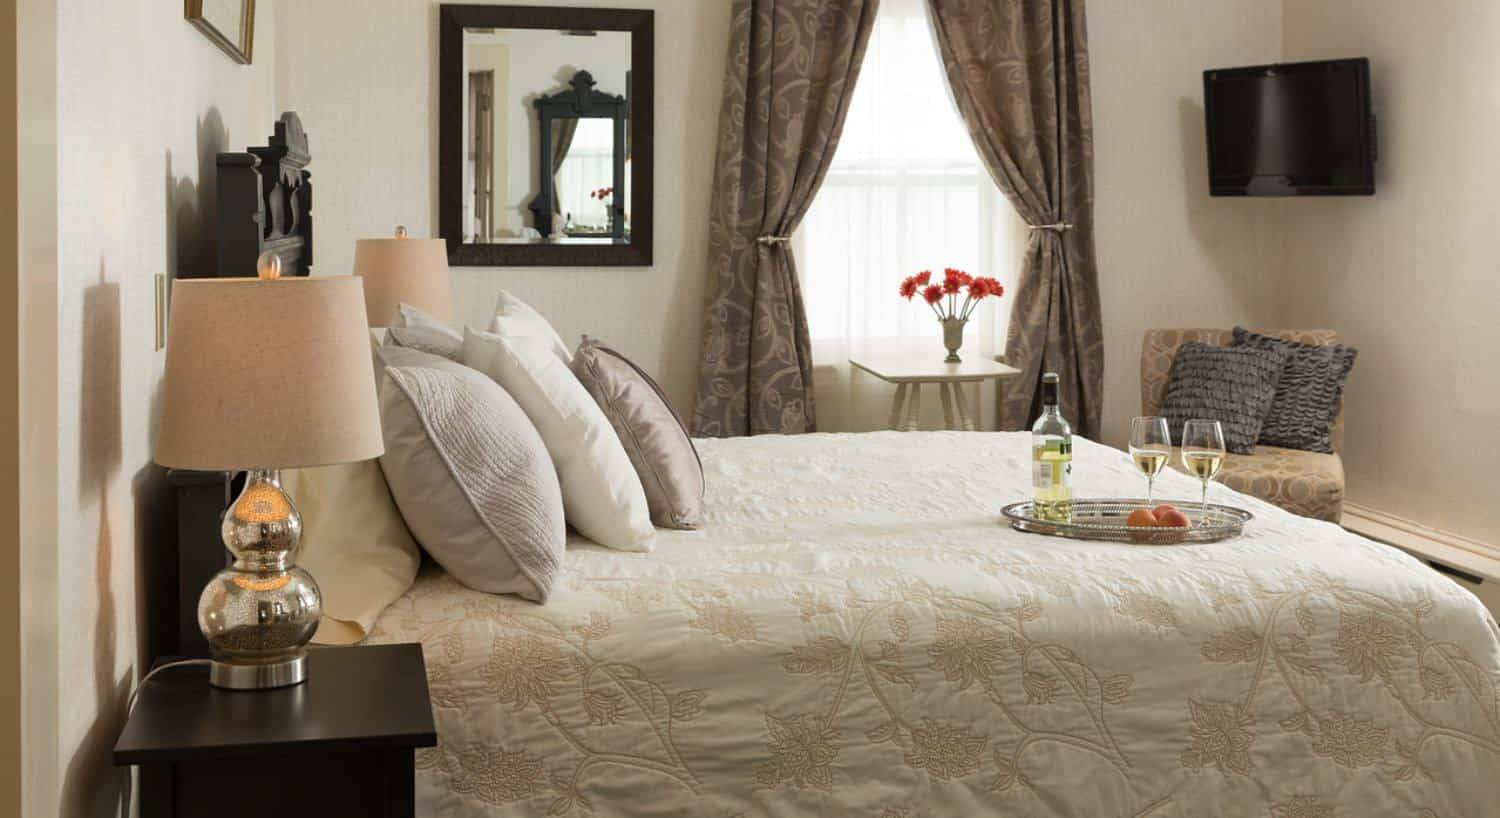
[(130, 704)]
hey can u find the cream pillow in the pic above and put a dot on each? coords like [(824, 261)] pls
[(602, 495), (515, 318), (354, 543)]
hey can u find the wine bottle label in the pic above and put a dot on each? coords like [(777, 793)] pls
[(1047, 474), (1041, 476)]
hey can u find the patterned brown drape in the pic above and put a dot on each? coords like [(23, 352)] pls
[(1019, 72), (792, 67), (563, 131)]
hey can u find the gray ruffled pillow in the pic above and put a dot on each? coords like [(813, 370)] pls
[(471, 475), (1307, 397), (1233, 385), (423, 339), (653, 434)]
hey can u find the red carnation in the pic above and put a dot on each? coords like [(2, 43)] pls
[(933, 293), (909, 287), (923, 278)]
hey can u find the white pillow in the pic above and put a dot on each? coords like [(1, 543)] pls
[(602, 494), (515, 318)]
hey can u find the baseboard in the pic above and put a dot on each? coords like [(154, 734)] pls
[(1480, 559)]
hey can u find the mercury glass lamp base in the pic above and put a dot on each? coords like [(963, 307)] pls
[(259, 613), (259, 676)]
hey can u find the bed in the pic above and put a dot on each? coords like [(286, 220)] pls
[(853, 632)]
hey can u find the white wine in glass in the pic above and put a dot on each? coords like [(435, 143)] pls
[(1203, 451), (1150, 447)]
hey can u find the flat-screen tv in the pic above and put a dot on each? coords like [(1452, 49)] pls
[(1298, 129)]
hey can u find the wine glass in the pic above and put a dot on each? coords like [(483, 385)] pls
[(1203, 451), (1150, 447)]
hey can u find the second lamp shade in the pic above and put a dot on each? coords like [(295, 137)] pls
[(403, 271)]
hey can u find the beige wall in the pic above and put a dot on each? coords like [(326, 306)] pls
[(10, 432), (371, 112), (36, 29), (1166, 250), (1168, 254), (1409, 275), (137, 128)]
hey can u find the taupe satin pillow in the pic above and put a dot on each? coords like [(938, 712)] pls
[(654, 435), (471, 476)]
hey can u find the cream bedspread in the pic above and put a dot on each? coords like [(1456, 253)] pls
[(852, 632)]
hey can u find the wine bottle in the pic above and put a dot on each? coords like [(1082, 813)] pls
[(1052, 458)]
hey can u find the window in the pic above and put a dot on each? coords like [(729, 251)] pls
[(588, 167), (905, 192)]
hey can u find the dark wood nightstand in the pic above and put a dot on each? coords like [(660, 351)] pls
[(340, 743)]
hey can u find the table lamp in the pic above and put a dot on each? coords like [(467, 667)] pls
[(264, 374), (401, 270)]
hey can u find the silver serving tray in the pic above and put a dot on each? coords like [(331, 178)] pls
[(1105, 520)]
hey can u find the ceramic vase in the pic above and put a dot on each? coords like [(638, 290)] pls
[(953, 338)]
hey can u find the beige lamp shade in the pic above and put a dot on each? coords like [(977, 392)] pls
[(403, 271), (267, 374)]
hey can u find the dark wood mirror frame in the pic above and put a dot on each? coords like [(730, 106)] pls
[(580, 101), (452, 20)]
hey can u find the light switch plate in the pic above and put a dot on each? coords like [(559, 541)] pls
[(161, 311)]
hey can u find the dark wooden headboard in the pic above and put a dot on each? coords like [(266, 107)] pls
[(199, 553), (265, 203)]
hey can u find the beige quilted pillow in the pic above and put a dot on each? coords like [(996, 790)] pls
[(472, 478)]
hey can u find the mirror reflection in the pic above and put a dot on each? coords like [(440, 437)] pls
[(546, 136)]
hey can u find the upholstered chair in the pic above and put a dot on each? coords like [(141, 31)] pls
[(1306, 483)]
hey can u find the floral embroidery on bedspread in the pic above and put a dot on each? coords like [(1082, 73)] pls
[(898, 666)]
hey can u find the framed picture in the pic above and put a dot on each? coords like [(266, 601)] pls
[(230, 24)]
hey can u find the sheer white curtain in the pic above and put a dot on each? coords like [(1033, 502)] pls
[(905, 192), (588, 166)]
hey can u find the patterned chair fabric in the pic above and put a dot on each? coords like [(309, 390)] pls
[(1305, 483)]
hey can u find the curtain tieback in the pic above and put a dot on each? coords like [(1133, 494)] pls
[(1055, 228), (768, 239)]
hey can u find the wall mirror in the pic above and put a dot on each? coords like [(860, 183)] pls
[(546, 135)]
